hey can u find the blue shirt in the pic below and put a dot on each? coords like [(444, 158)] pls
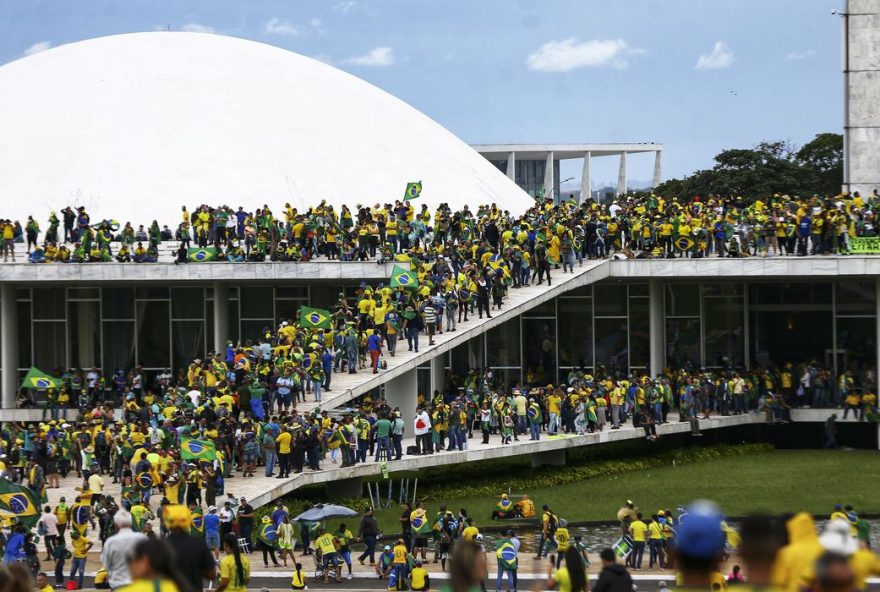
[(374, 342), (212, 524)]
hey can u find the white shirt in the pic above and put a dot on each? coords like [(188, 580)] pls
[(424, 420), (115, 554), (50, 522)]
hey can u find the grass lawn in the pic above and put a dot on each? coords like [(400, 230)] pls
[(774, 482)]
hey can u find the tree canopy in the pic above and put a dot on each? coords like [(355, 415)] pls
[(768, 168)]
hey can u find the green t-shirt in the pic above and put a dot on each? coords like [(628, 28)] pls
[(383, 428)]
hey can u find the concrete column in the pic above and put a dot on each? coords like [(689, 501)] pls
[(9, 345), (402, 392), (656, 329), (621, 175), (548, 176), (549, 458), (352, 487), (585, 177), (438, 374), (511, 166), (221, 316), (658, 168)]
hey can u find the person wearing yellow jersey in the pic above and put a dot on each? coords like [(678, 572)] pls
[(298, 580), (562, 538), (235, 569), (43, 584), (327, 546), (418, 578), (655, 543), (638, 532), (470, 532)]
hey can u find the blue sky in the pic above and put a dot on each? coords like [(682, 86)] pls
[(696, 75)]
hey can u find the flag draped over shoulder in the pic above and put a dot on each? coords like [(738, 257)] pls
[(201, 255), (18, 502), (37, 379), (403, 278), (506, 554), (413, 190), (192, 449), (315, 318)]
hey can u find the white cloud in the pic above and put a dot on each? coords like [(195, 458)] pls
[(344, 7), (719, 57), (378, 56), (570, 54), (277, 26), (38, 47), (800, 55), (197, 28), (317, 26)]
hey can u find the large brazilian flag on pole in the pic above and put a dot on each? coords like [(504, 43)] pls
[(201, 255), (37, 379), (192, 449), (403, 278), (315, 318), (18, 502)]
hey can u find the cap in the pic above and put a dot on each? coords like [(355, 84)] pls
[(699, 534)]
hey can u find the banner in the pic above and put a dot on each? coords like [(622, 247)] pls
[(865, 244), (194, 255)]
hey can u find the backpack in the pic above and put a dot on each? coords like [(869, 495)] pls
[(553, 523)]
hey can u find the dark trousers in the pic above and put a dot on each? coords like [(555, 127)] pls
[(397, 443), (370, 551), (284, 465)]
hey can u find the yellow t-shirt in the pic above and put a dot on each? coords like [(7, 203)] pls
[(562, 579), (150, 586), (228, 571), (638, 529), (470, 533), (399, 554), (418, 576), (283, 441), (325, 543), (80, 547)]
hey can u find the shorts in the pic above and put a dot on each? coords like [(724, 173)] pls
[(212, 540), (346, 556), (421, 543), (329, 558), (284, 399), (249, 458)]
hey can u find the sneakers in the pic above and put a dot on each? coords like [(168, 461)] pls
[(348, 577)]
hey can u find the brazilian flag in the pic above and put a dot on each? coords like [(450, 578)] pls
[(506, 554), (267, 534), (413, 190), (18, 502), (197, 527), (197, 255), (315, 318), (37, 379), (420, 524), (684, 243), (80, 514), (403, 278), (192, 449), (144, 480)]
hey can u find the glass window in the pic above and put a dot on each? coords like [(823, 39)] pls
[(727, 289), (188, 303), (118, 338), (539, 349), (610, 300), (293, 292), (152, 293), (84, 293), (793, 335), (762, 294), (856, 298), (467, 356), (575, 332), (582, 291), (251, 330), (507, 378), (84, 322), (682, 343), (682, 300), (724, 331), (209, 328), (25, 341), (49, 303), (856, 346), (234, 334), (118, 303), (188, 339), (611, 344), (286, 309), (502, 346), (639, 333), (256, 302), (423, 375), (154, 348), (547, 309), (50, 345), (22, 293), (638, 290)]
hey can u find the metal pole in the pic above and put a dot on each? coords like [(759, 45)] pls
[(415, 491), (370, 493), (390, 481)]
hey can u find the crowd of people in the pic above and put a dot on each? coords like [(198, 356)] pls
[(644, 226)]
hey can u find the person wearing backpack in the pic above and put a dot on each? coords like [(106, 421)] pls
[(549, 525)]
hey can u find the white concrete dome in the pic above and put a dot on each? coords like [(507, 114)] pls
[(134, 126)]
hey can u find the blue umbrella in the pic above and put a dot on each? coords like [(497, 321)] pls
[(324, 511)]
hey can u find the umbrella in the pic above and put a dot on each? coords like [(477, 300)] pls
[(324, 511)]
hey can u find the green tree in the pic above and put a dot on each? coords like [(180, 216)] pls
[(824, 154)]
